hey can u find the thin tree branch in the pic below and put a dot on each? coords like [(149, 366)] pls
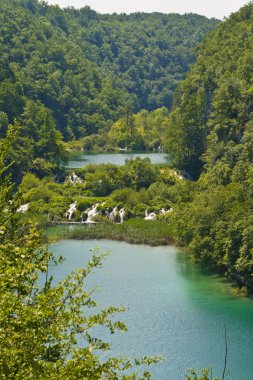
[(226, 354)]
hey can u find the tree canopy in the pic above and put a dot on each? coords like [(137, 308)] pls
[(210, 133), (89, 69)]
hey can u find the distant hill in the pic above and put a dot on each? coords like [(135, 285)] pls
[(86, 70)]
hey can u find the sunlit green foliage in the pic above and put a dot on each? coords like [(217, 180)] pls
[(66, 74), (144, 130), (138, 186), (213, 107), (205, 375), (210, 131)]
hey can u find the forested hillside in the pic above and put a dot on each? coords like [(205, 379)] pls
[(148, 53), (213, 107), (87, 70), (210, 132)]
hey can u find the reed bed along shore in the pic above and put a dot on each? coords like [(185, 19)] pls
[(135, 231)]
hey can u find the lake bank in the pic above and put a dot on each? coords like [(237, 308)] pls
[(135, 231), (138, 232)]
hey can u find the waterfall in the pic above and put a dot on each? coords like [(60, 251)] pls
[(92, 212), (23, 208), (121, 215), (164, 212), (71, 210), (113, 215), (73, 178), (151, 216)]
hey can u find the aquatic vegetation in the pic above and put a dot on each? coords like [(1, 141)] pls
[(136, 231)]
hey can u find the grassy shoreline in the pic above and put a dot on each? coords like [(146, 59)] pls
[(137, 231), (134, 231)]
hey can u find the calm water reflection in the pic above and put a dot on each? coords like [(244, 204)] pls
[(79, 159)]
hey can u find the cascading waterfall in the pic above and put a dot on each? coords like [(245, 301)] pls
[(151, 216), (92, 212), (71, 210), (113, 215), (121, 215), (23, 208), (164, 212), (73, 178)]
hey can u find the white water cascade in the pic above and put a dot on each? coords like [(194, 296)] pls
[(182, 174), (151, 216), (71, 210), (92, 212), (73, 178), (121, 215), (113, 215), (164, 212), (23, 208)]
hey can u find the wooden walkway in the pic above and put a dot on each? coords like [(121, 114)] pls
[(73, 223)]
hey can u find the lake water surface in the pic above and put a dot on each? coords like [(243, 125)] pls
[(173, 308), (79, 159)]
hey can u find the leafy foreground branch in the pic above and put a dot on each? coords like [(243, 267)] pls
[(42, 325), (203, 376)]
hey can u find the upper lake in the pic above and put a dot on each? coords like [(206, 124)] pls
[(79, 159), (173, 308)]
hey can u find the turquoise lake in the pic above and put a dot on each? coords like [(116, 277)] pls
[(173, 309), (79, 159)]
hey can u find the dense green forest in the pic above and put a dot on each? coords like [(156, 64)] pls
[(210, 132), (72, 73), (88, 68)]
